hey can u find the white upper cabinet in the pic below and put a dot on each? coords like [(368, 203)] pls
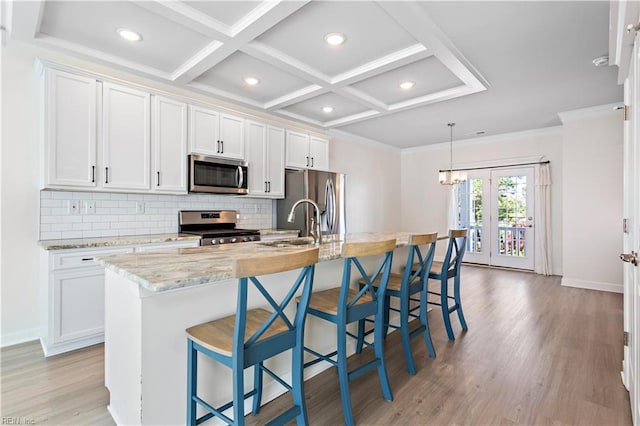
[(319, 153), (265, 147), (231, 136), (125, 137), (169, 145), (69, 130), (275, 161), (215, 133), (305, 152)]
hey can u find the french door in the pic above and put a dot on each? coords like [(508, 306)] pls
[(496, 205)]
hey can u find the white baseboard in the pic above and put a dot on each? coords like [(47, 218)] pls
[(593, 285), (10, 339)]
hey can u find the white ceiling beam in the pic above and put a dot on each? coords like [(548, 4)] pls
[(262, 21), (188, 17), (415, 20), (300, 117), (362, 98), (295, 97), (25, 19), (203, 88), (378, 66), (361, 116)]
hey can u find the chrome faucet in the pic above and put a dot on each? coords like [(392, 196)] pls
[(315, 221)]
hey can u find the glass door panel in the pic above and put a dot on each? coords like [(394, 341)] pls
[(512, 217), (474, 215)]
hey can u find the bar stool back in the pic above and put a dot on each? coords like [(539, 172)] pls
[(405, 287), (344, 305), (251, 336), (443, 271)]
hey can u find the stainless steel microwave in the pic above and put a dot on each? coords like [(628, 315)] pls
[(217, 175)]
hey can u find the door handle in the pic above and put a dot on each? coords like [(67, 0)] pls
[(630, 257)]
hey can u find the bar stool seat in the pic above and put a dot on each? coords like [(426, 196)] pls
[(252, 336), (327, 300)]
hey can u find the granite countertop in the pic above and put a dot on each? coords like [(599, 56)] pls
[(170, 269), (73, 243), (278, 231)]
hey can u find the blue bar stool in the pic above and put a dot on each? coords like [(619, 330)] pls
[(443, 271), (251, 336), (405, 286), (344, 305)]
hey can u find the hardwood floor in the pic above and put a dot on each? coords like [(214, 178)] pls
[(535, 353)]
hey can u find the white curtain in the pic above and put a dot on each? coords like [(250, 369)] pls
[(542, 218), (452, 217)]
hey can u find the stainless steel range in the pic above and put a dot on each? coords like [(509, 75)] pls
[(215, 227)]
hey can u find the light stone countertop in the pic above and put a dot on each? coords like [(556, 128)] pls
[(163, 270), (73, 243), (278, 231)]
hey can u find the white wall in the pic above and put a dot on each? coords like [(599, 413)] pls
[(593, 198), (425, 200), (19, 192), (372, 183)]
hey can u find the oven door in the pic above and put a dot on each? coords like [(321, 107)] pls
[(217, 176)]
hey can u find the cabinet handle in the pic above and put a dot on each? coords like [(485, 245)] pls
[(307, 161), (93, 174), (311, 161), (158, 183), (265, 186), (86, 259), (269, 186), (217, 147), (221, 147), (106, 175)]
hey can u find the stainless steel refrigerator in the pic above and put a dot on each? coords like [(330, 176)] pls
[(325, 188)]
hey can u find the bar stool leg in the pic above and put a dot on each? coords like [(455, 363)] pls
[(404, 331), (297, 373), (387, 306), (424, 320), (444, 303), (192, 386), (382, 368), (238, 391), (360, 342), (343, 375), (456, 295), (257, 386)]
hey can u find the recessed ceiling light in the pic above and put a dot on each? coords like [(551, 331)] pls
[(128, 34), (327, 109), (601, 60), (406, 85), (251, 81), (335, 39)]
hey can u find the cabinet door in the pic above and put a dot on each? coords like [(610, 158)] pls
[(169, 130), (204, 131), (297, 150), (78, 297), (256, 154), (275, 161), (319, 153), (70, 129), (232, 136), (125, 127)]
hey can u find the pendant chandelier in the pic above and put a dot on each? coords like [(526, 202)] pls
[(451, 177)]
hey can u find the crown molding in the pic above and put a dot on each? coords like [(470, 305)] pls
[(349, 137), (503, 137), (591, 112)]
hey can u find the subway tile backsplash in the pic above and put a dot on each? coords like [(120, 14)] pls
[(106, 214)]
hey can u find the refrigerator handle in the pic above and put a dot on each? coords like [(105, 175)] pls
[(330, 196)]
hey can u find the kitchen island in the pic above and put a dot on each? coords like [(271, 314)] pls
[(151, 298)]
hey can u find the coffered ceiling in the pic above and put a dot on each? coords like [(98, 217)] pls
[(488, 66)]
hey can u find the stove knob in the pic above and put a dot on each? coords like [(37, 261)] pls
[(221, 241), (213, 242), (233, 240), (245, 239)]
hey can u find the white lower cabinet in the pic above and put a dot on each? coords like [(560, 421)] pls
[(72, 297)]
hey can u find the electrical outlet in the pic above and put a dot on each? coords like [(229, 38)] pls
[(89, 207), (73, 207), (140, 207)]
